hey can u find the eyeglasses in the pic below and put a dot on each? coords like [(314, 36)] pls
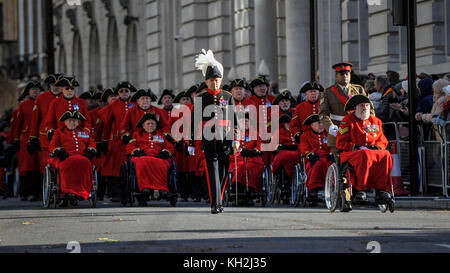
[(124, 91), (70, 88)]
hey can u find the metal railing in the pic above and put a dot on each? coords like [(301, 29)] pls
[(434, 157)]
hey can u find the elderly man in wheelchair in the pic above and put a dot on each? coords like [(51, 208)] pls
[(318, 157), (362, 152), (150, 153), (72, 152), (246, 163)]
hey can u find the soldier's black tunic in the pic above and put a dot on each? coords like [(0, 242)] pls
[(218, 117)]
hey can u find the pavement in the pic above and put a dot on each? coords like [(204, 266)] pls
[(190, 228)]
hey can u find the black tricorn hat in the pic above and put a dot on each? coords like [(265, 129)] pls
[(146, 117), (142, 93), (164, 93), (87, 95), (201, 87), (258, 81), (30, 85), (284, 95), (238, 83), (180, 95), (311, 86), (192, 89), (355, 100), (67, 82), (311, 119), (226, 87), (108, 92), (125, 84), (72, 114), (97, 96), (53, 78), (285, 118)]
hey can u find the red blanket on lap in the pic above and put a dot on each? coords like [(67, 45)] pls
[(151, 173), (76, 175)]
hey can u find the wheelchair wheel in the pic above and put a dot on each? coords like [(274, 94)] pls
[(272, 186), (332, 188), (93, 196), (46, 188), (297, 191)]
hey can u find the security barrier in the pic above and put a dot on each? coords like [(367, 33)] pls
[(434, 157)]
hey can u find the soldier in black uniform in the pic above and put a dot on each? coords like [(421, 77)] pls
[(216, 129)]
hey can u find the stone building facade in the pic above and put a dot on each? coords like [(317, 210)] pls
[(153, 43)]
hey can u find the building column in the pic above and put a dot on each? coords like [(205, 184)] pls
[(384, 48), (265, 31), (297, 44), (350, 33)]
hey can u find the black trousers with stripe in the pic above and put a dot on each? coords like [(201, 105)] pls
[(217, 163)]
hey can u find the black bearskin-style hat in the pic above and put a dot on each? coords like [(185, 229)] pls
[(67, 82), (147, 117), (311, 119), (284, 95), (72, 114), (125, 84), (354, 101), (209, 66), (165, 93)]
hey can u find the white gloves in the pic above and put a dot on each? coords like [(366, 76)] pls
[(333, 130)]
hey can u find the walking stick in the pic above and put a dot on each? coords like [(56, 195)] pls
[(235, 171), (246, 173)]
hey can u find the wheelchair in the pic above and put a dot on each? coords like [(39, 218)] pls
[(51, 190), (339, 191), (300, 195), (236, 193), (130, 189)]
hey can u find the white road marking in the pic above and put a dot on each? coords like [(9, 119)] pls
[(443, 245)]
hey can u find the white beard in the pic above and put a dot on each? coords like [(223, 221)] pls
[(363, 116)]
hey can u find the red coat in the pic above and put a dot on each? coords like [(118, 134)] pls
[(372, 168), (151, 172), (302, 112), (311, 142), (267, 101), (76, 171), (74, 142), (40, 111), (61, 105), (166, 120), (255, 165), (113, 114), (286, 158), (22, 130), (134, 115)]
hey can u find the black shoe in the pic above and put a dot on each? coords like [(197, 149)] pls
[(163, 194), (382, 197), (64, 204), (74, 203), (215, 210), (220, 208), (360, 197)]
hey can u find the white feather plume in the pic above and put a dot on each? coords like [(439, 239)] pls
[(206, 59)]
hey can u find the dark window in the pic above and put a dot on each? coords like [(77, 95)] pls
[(1, 22)]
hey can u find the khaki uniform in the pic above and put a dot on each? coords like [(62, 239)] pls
[(331, 109)]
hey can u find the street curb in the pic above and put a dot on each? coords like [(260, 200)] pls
[(443, 204)]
